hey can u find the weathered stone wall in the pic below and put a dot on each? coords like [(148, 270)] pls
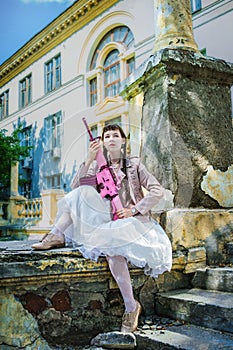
[(187, 100), (186, 123), (59, 298), (199, 237)]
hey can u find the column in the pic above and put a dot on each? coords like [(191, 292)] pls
[(14, 179), (173, 25)]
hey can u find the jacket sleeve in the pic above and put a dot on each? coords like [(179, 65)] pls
[(83, 171), (155, 191)]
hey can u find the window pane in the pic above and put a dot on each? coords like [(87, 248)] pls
[(7, 103), (195, 5), (53, 181), (58, 71), (53, 74), (53, 131), (49, 78), (112, 74), (25, 91), (120, 34), (29, 89), (116, 120), (93, 91), (4, 104), (130, 65)]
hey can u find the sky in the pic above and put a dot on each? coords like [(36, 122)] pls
[(22, 19)]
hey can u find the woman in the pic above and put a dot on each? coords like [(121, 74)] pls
[(85, 217)]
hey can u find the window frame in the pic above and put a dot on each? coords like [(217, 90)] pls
[(116, 35), (109, 75), (4, 104), (52, 70), (93, 92), (54, 181), (128, 63), (26, 138), (53, 132), (25, 92), (119, 38)]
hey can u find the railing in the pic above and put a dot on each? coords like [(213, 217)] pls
[(24, 210), (30, 209)]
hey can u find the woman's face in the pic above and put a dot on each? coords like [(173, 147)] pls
[(113, 140)]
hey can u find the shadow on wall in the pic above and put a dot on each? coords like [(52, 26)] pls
[(216, 245)]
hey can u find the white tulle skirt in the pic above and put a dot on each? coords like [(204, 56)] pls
[(94, 234)]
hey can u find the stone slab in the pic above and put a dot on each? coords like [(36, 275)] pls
[(219, 278), (213, 309), (186, 337)]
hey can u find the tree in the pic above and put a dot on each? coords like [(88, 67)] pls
[(11, 151)]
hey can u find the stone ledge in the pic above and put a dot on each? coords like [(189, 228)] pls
[(198, 236), (20, 264), (190, 336), (178, 61)]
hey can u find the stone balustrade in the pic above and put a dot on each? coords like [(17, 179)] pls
[(30, 209), (18, 212)]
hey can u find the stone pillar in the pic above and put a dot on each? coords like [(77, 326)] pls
[(187, 135), (49, 209), (15, 200), (14, 179), (186, 119), (173, 25), (187, 126)]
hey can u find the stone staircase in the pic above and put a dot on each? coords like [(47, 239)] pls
[(205, 310), (200, 318)]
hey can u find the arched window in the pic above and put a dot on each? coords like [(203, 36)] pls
[(115, 59), (120, 34), (112, 74)]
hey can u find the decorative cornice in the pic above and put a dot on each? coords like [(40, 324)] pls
[(69, 22)]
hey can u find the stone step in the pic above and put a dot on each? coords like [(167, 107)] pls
[(211, 309), (186, 337), (219, 278)]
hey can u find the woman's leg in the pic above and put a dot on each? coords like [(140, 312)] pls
[(62, 223), (119, 269), (55, 238)]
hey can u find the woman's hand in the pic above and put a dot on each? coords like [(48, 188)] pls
[(124, 213), (94, 147)]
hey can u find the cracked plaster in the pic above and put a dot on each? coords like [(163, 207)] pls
[(219, 185)]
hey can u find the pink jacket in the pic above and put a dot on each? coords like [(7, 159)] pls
[(138, 177)]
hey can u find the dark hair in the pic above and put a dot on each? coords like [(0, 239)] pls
[(110, 127), (113, 127)]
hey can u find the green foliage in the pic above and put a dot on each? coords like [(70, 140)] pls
[(10, 152)]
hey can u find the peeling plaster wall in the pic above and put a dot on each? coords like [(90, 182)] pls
[(187, 123), (219, 185)]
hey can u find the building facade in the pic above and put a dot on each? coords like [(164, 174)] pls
[(74, 67)]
